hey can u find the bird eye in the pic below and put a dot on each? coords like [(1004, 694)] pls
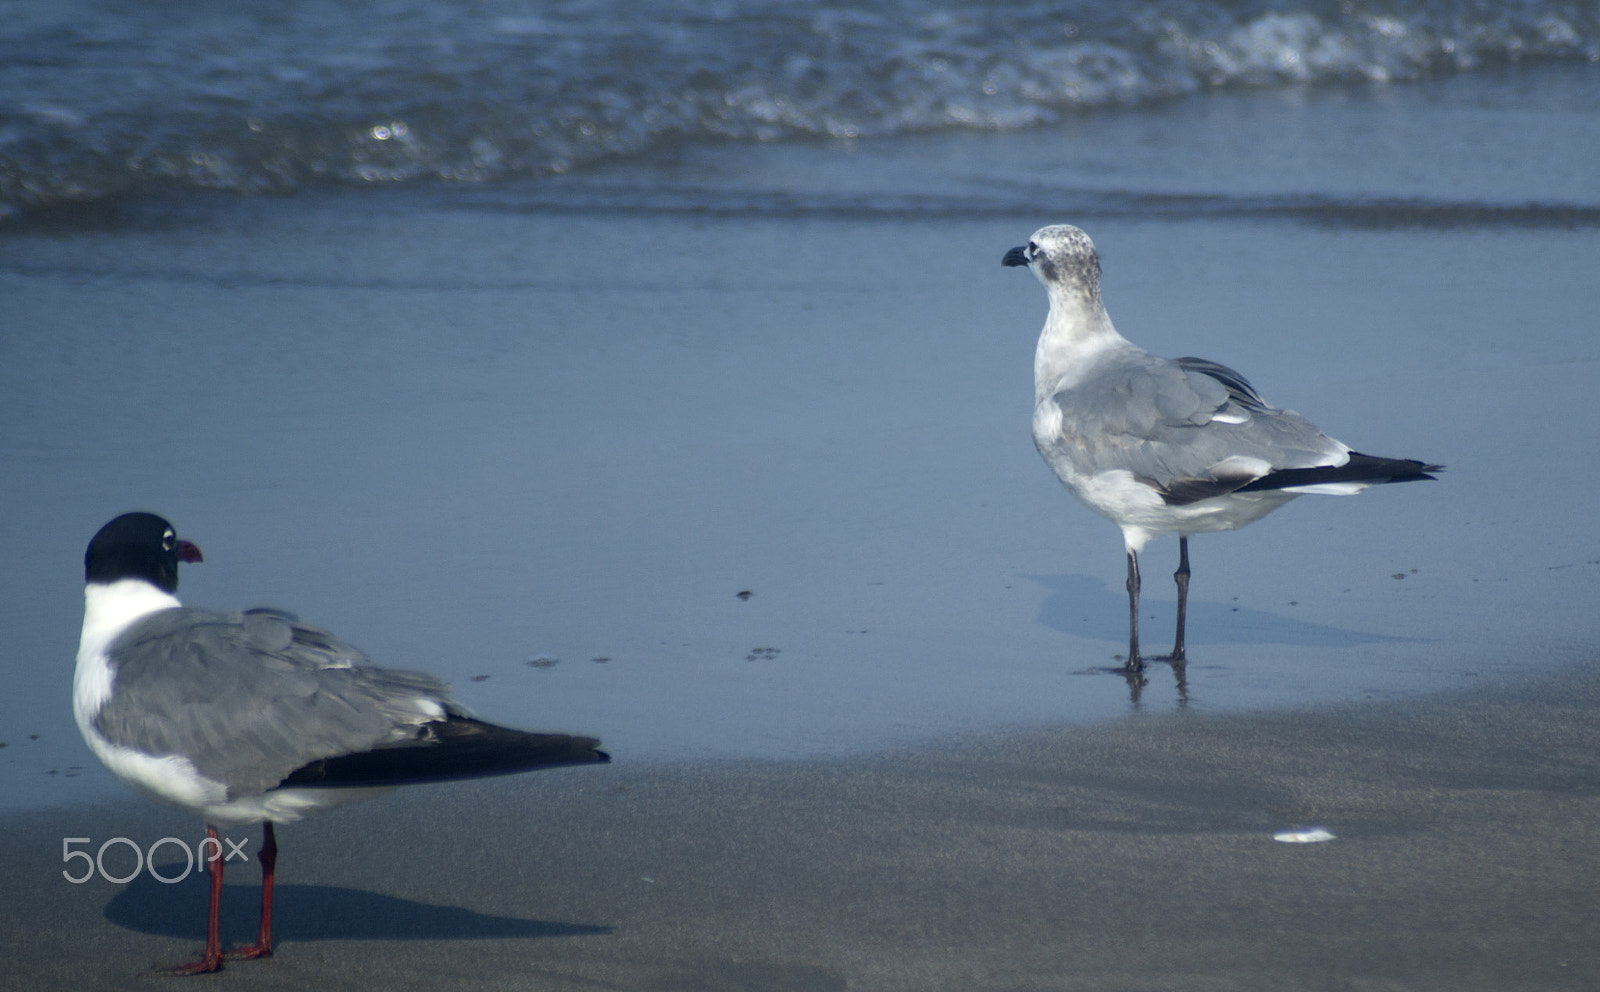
[(169, 540), (1033, 249)]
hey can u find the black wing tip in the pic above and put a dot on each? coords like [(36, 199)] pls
[(1397, 469), (1368, 469), (449, 750)]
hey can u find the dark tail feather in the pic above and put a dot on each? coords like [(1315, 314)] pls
[(455, 748), (1360, 468)]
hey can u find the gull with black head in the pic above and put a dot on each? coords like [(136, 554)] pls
[(255, 717), (1166, 445)]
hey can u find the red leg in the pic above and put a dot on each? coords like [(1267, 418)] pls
[(268, 855), (211, 960)]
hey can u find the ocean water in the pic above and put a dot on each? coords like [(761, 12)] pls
[(515, 342), (107, 99)]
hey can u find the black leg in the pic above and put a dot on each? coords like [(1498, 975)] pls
[(1181, 576), (1134, 664)]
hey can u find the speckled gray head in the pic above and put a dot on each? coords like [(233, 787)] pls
[(1063, 258)]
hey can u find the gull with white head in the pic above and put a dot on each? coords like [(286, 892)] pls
[(1165, 445)]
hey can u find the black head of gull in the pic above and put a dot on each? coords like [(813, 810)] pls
[(139, 546), (1163, 446), (255, 717)]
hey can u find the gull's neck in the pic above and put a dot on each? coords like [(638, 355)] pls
[(110, 608), (1076, 330)]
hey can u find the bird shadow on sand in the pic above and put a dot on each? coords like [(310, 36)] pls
[(313, 912), (1086, 607)]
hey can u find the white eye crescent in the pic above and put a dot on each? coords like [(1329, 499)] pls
[(169, 540)]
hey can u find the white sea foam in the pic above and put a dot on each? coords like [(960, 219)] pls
[(408, 90)]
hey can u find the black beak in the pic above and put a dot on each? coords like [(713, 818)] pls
[(1016, 256)]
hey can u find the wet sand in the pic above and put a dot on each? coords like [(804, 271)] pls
[(1132, 856), (466, 439)]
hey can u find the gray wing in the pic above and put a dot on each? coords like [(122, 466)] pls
[(1189, 428), (250, 697)]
